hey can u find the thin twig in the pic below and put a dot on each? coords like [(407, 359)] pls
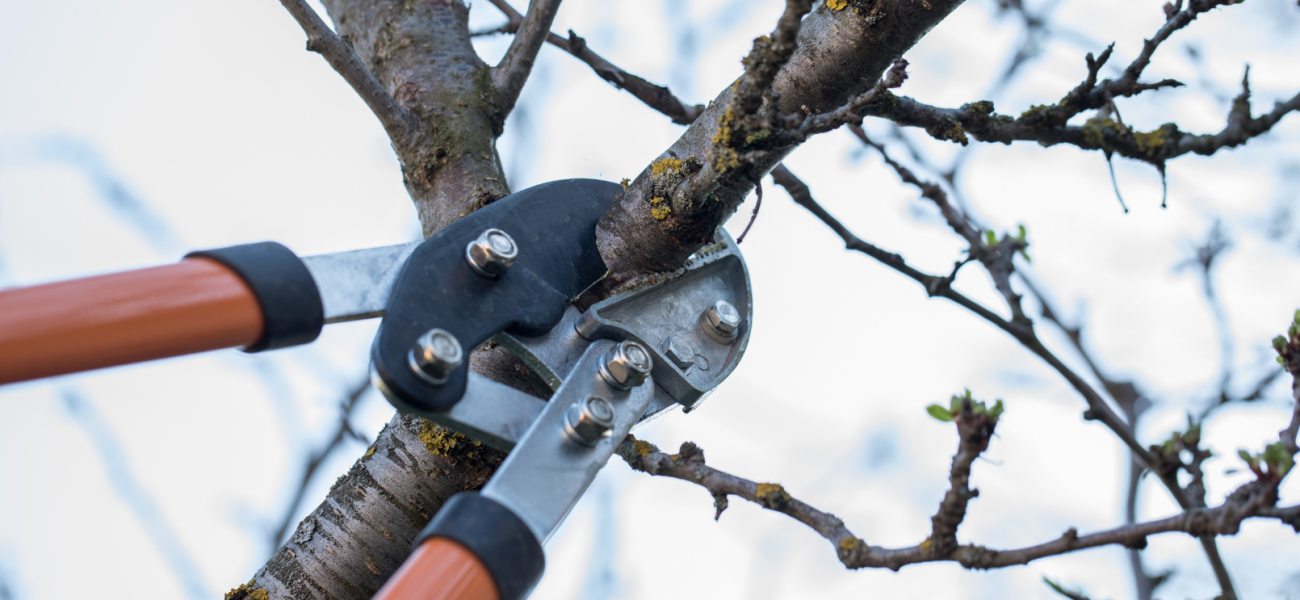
[(400, 123), (1023, 332), (758, 203), (657, 97), (937, 286)]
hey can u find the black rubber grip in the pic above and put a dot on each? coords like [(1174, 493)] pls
[(292, 311), (496, 536)]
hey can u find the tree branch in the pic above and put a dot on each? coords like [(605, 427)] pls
[(839, 54), (654, 96), (941, 286), (1022, 330), (689, 465), (1047, 124), (1155, 147), (512, 72), (400, 123)]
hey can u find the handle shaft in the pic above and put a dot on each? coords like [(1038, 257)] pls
[(107, 320), (440, 569)]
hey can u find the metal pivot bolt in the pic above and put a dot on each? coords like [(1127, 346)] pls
[(436, 354), (492, 253), (626, 365), (721, 322), (589, 421), (679, 351)]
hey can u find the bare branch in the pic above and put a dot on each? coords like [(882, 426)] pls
[(1155, 147), (1134, 404), (1022, 330), (513, 70), (400, 123), (655, 96), (958, 221), (758, 204), (996, 256), (941, 286), (689, 465), (800, 128), (1046, 124)]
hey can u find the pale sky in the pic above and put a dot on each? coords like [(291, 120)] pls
[(134, 131)]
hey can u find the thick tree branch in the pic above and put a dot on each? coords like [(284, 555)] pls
[(689, 465), (740, 144), (423, 55), (513, 70), (840, 53), (400, 123)]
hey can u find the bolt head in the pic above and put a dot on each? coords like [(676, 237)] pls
[(626, 365), (492, 253), (721, 321), (679, 351), (589, 421), (436, 354)]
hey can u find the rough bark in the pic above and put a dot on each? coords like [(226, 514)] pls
[(840, 54), (361, 533), (421, 52)]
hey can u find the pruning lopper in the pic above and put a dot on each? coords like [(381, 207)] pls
[(507, 273)]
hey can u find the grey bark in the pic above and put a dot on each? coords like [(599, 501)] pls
[(840, 54)]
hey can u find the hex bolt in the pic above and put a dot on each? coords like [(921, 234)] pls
[(436, 354), (626, 365), (721, 322), (589, 421), (492, 253), (679, 351)]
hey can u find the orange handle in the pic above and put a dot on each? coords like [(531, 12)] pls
[(69, 326), (440, 569)]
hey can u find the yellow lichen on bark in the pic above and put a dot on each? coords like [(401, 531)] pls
[(441, 441), (659, 208), (772, 495), (246, 590), (643, 448), (1149, 143), (837, 4), (665, 165)]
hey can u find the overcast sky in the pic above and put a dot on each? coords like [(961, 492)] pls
[(134, 131)]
